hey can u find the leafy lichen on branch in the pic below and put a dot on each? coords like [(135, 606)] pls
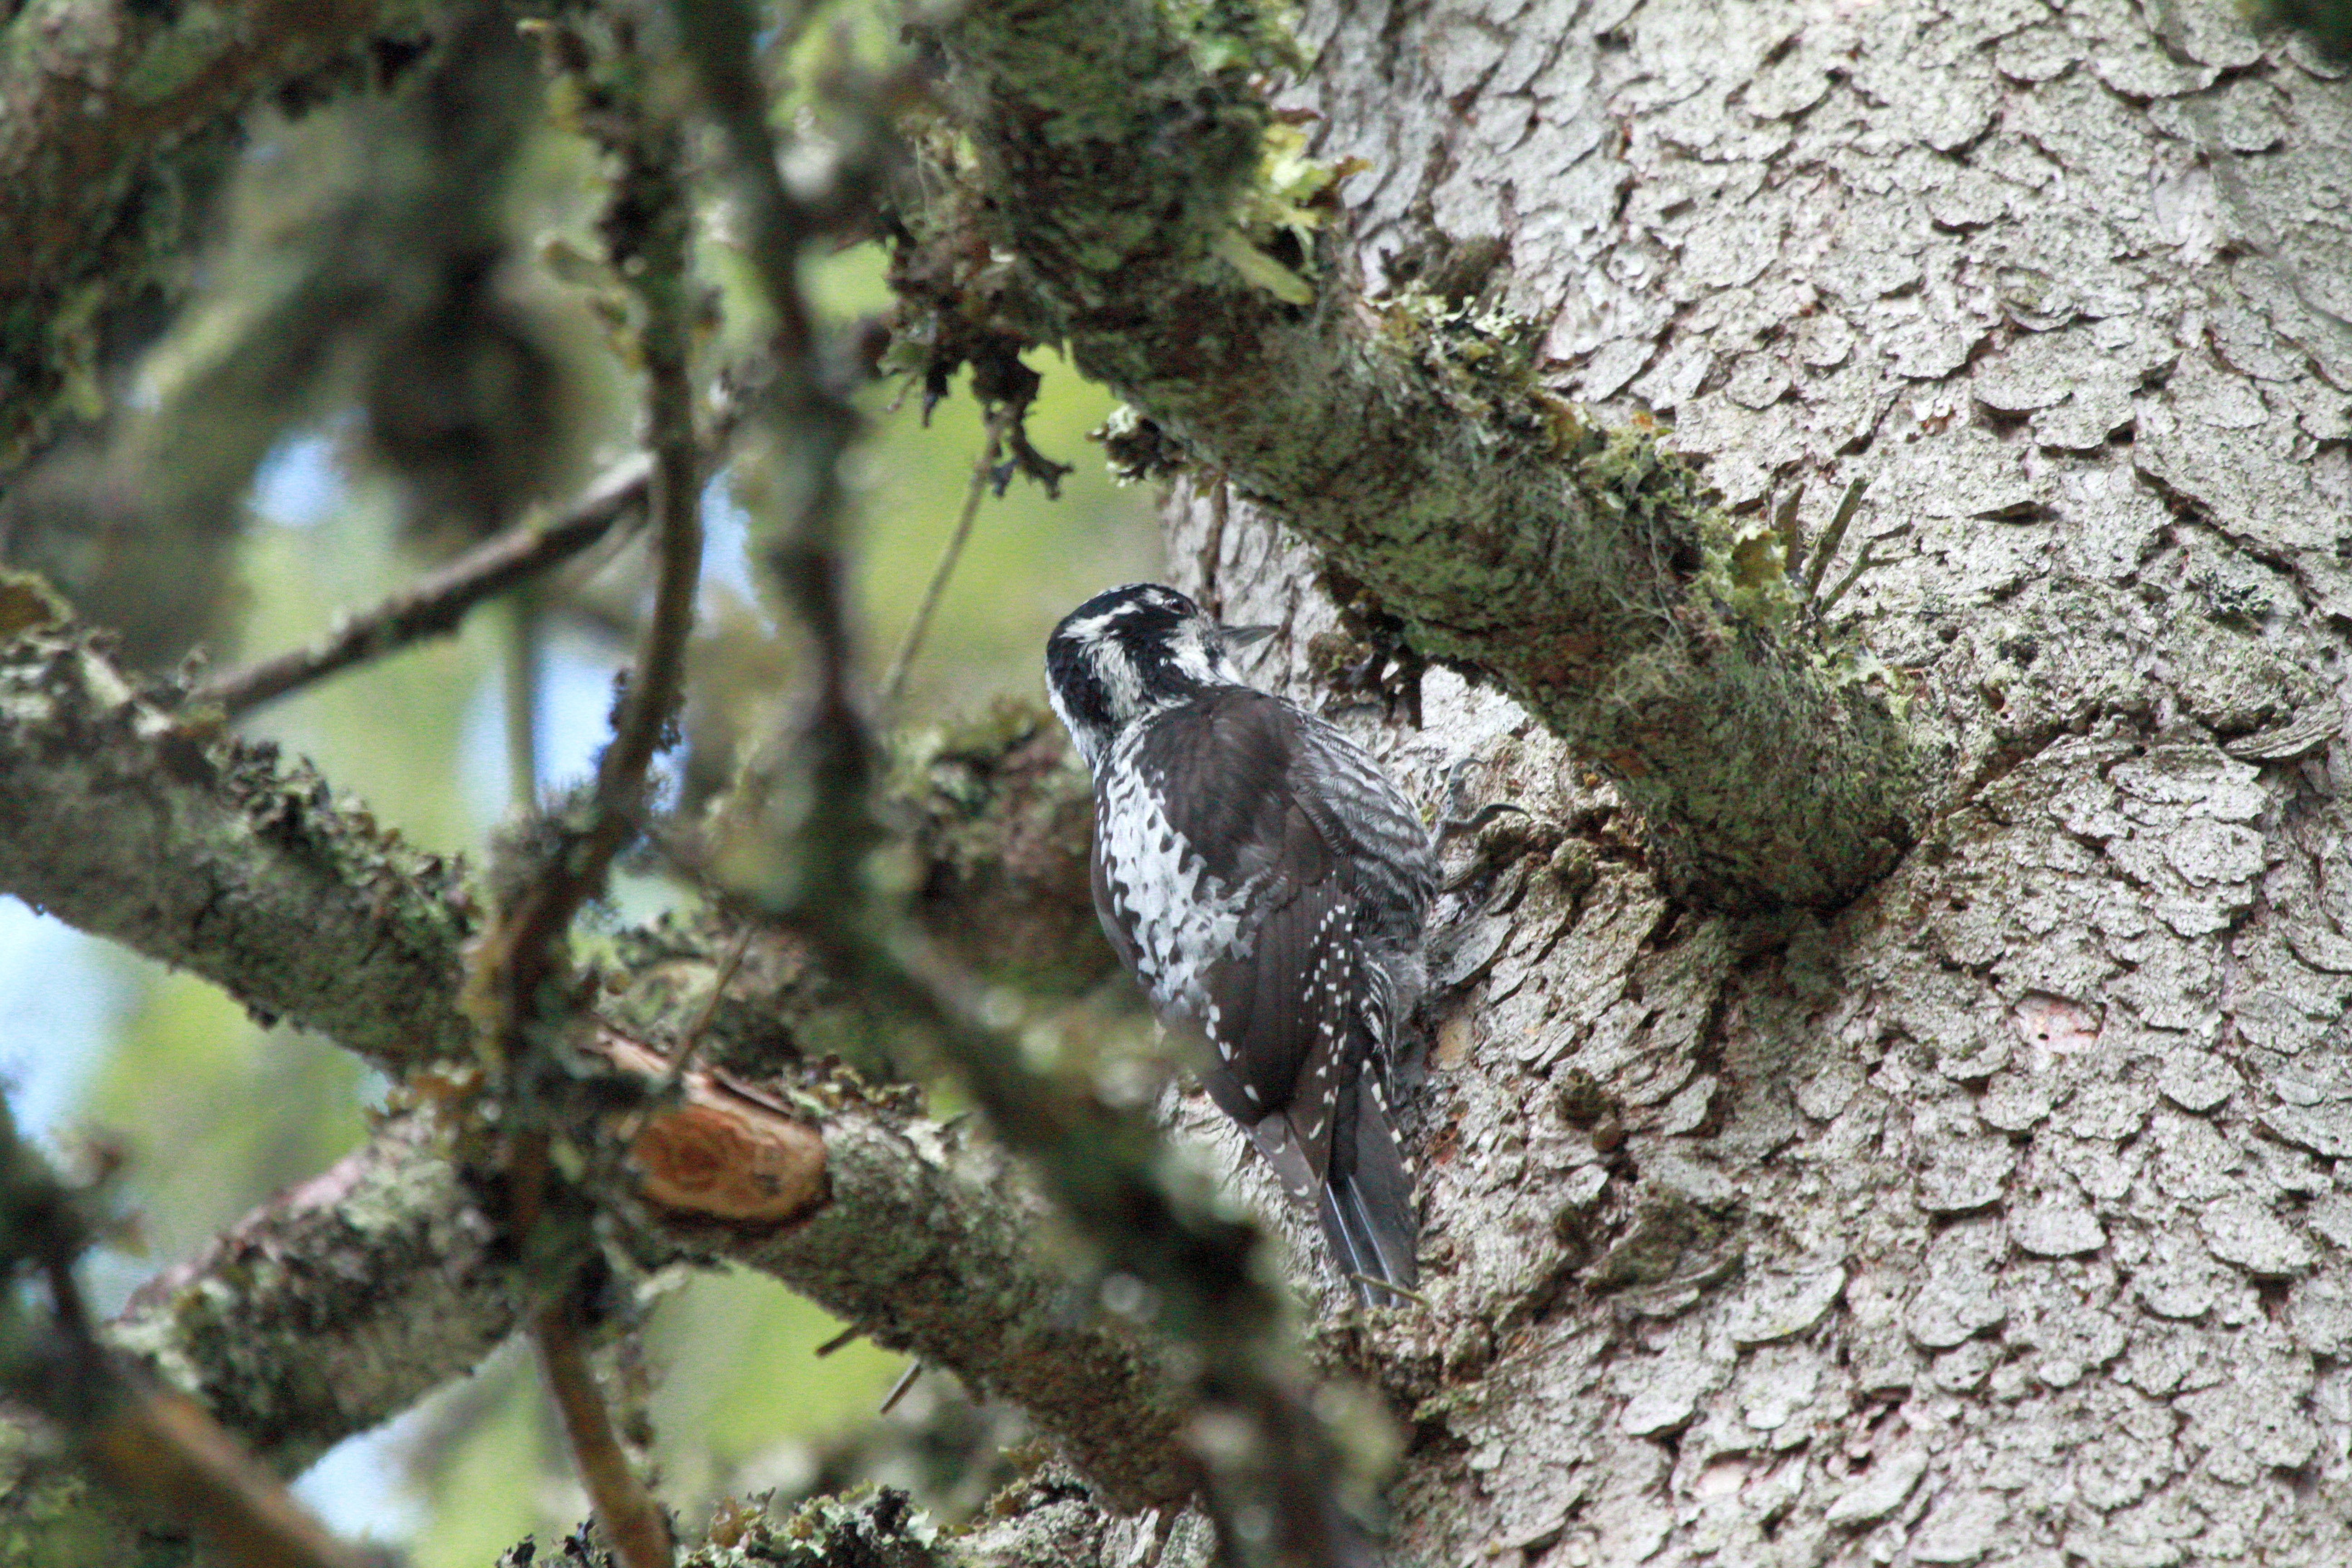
[(206, 852), (1407, 439)]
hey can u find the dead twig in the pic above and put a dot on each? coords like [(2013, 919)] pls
[(1099, 1161), (1826, 549), (672, 1079), (816, 422), (639, 1534), (517, 974), (692, 1039), (435, 604), (146, 1442), (983, 474)]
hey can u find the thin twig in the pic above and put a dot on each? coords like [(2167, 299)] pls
[(1832, 537), (144, 1441), (720, 38), (814, 422), (1791, 531), (672, 1081), (436, 603), (623, 1507), (899, 1389), (1415, 1297), (692, 1040), (1100, 1161), (518, 970), (983, 474), (1853, 573)]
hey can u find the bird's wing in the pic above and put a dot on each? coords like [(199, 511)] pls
[(1222, 797)]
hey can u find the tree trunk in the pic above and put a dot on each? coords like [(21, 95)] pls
[(1990, 1217), (1995, 1218)]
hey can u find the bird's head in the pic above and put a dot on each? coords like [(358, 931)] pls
[(1129, 652)]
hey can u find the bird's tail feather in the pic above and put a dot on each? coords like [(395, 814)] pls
[(1367, 1206)]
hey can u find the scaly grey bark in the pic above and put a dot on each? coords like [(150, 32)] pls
[(1409, 444), (2003, 1218)]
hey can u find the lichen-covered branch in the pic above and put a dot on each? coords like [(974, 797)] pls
[(211, 854), (129, 823), (436, 603), (147, 1444), (1049, 1521), (1137, 171), (354, 1295), (937, 1245), (204, 852), (97, 95), (334, 1306)]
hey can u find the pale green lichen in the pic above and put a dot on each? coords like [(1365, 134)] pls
[(194, 41), (51, 1512), (1744, 568), (1260, 270), (1289, 196), (1253, 35)]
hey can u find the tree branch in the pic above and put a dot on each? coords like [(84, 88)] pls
[(1587, 569), (435, 604), (517, 976), (369, 1285), (351, 1297), (335, 1305), (153, 1446), (98, 94), (206, 852), (128, 822)]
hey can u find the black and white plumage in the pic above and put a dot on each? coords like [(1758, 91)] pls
[(1266, 884)]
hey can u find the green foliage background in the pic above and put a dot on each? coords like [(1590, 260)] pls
[(215, 1112)]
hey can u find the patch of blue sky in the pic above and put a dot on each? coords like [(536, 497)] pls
[(356, 1488), (299, 483), (58, 999), (726, 541), (576, 703)]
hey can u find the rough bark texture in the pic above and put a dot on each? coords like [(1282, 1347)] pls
[(2003, 1217), (336, 1305), (351, 1297), (1121, 150), (121, 820), (2000, 1218)]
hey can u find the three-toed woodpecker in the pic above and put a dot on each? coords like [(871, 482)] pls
[(1266, 883)]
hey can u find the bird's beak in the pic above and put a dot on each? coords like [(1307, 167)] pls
[(1237, 638)]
